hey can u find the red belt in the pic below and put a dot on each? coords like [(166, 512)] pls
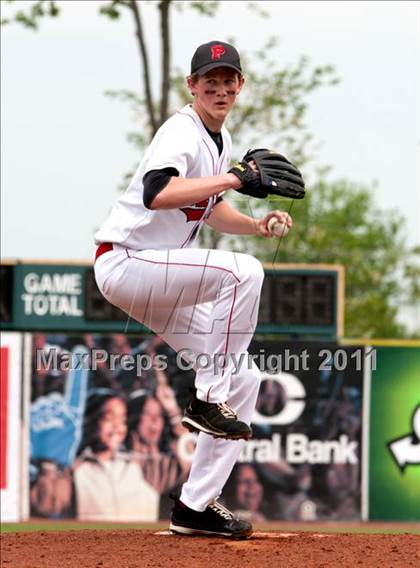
[(102, 248)]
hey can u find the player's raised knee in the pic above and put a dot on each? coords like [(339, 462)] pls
[(253, 269)]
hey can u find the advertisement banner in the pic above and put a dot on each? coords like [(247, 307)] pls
[(105, 426), (10, 424), (394, 441), (107, 441), (304, 461)]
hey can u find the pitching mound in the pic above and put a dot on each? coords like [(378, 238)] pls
[(136, 548)]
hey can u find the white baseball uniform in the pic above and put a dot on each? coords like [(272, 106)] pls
[(200, 300)]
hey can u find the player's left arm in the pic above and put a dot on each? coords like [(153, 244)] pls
[(226, 219)]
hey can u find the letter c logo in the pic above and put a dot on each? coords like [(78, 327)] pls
[(294, 405)]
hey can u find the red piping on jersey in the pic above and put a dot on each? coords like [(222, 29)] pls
[(183, 264), (187, 240)]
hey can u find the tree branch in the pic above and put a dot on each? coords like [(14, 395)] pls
[(145, 59), (164, 6)]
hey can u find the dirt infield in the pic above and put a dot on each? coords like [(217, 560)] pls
[(144, 549)]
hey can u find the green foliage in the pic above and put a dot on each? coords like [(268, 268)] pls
[(412, 274), (257, 8), (203, 7), (111, 9), (31, 18), (274, 100)]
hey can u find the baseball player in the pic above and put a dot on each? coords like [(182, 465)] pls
[(203, 303)]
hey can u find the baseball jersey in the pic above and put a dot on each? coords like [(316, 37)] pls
[(183, 143)]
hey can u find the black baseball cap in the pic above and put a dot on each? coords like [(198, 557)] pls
[(215, 54)]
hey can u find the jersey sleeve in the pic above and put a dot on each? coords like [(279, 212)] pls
[(177, 146)]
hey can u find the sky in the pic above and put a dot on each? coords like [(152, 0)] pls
[(64, 147)]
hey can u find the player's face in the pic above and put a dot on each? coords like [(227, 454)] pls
[(216, 91)]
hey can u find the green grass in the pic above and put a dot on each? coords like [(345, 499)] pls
[(365, 528)]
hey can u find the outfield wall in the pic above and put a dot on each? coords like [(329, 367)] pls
[(335, 431)]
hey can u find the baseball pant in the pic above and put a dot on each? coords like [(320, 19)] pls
[(202, 303)]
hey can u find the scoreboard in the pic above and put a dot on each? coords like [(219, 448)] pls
[(297, 300), (302, 299)]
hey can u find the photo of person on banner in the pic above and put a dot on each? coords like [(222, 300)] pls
[(109, 482), (245, 493), (55, 431), (92, 457)]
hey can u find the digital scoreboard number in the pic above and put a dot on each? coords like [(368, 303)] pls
[(297, 300), (302, 300)]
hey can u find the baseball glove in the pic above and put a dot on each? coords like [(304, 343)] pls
[(275, 175)]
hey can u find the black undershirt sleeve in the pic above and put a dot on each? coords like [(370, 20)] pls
[(156, 180)]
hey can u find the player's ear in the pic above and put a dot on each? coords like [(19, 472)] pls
[(192, 82), (241, 83)]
